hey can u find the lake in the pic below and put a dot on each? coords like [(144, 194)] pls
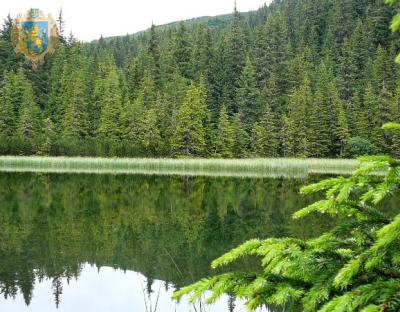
[(126, 242)]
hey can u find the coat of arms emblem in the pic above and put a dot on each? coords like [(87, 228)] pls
[(34, 35)]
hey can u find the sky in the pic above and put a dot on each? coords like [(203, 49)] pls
[(89, 20)]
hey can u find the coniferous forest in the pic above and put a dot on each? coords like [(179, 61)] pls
[(297, 78)]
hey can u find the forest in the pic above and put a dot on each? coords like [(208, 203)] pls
[(297, 78)]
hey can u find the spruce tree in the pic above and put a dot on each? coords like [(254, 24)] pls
[(351, 267), (75, 120), (202, 52), (153, 50), (224, 138), (7, 112), (301, 121), (340, 129), (234, 61), (273, 51), (359, 121), (240, 138), (183, 51), (54, 108), (248, 96), (189, 136), (264, 139), (371, 107), (29, 123), (151, 137), (49, 137), (110, 126), (133, 76), (147, 91), (133, 120)]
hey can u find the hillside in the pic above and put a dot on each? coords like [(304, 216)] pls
[(299, 78)]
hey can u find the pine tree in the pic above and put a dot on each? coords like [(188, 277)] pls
[(352, 61), (264, 136), (29, 123), (340, 129), (288, 137), (49, 136), (61, 26), (153, 50), (151, 137), (19, 82), (273, 51), (224, 138), (189, 136), (359, 120), (110, 126), (301, 120), (331, 124), (248, 96), (240, 138), (205, 113), (133, 121), (183, 51), (55, 105), (202, 52), (133, 76), (147, 93), (8, 59), (371, 107), (7, 112), (75, 121), (234, 61), (344, 19)]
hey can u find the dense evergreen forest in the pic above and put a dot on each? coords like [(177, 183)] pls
[(297, 78)]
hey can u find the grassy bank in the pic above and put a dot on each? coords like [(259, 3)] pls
[(204, 167)]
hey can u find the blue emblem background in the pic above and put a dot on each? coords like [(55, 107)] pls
[(43, 33)]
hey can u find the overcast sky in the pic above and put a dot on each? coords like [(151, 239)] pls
[(90, 19)]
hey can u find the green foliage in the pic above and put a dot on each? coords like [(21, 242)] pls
[(248, 96), (264, 136), (189, 136), (111, 112), (358, 147), (323, 70), (7, 112), (29, 119), (224, 139), (353, 267)]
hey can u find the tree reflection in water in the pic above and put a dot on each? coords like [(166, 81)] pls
[(168, 229)]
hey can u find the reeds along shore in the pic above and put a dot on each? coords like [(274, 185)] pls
[(263, 167)]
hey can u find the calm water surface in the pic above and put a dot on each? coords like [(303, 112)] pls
[(125, 243)]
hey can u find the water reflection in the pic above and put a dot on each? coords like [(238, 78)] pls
[(56, 231)]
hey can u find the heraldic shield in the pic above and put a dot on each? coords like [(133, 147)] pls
[(34, 35)]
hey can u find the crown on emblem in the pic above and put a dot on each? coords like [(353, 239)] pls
[(34, 13), (34, 35)]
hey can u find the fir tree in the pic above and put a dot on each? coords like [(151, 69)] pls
[(29, 123), (224, 138), (7, 112), (301, 115), (359, 254), (248, 96), (189, 136), (234, 54), (111, 108), (183, 51), (240, 138), (264, 136), (151, 137), (153, 50), (75, 121)]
